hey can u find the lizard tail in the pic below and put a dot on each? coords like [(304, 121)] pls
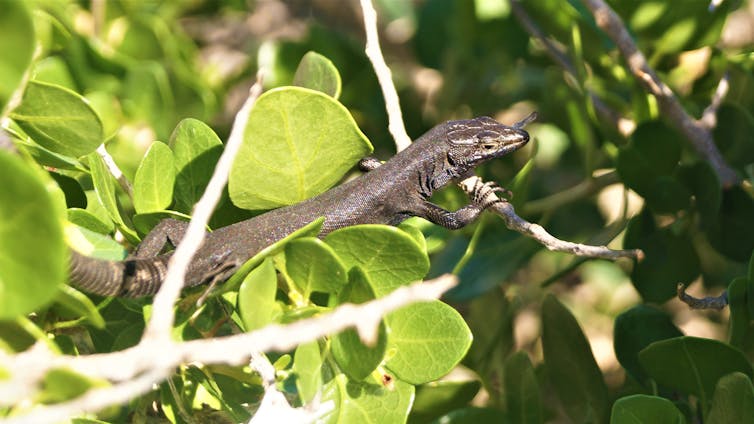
[(128, 278)]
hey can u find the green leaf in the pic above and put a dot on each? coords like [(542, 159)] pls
[(640, 409), (669, 259), (89, 243), (104, 185), (17, 44), (740, 333), (701, 179), (692, 365), (196, 149), (314, 266), (62, 384), (153, 183), (367, 402), (80, 304), (388, 256), (317, 72), (571, 366), (32, 251), (636, 329), (522, 394), (297, 144), (440, 397), (733, 401), (307, 365), (256, 297), (425, 341), (648, 166), (309, 230), (59, 119), (354, 358), (733, 234)]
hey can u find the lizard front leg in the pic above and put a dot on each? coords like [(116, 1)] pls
[(454, 220)]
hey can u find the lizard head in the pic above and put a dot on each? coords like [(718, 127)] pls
[(473, 141)]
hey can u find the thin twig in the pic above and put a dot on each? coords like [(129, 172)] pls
[(384, 76), (699, 136), (622, 124), (514, 222), (709, 116), (112, 167), (161, 323), (714, 302)]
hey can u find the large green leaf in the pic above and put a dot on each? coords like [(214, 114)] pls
[(17, 45), (641, 409), (367, 402), (356, 359), (669, 258), (59, 119), (571, 366), (389, 257), (733, 401), (153, 183), (425, 341), (297, 144), (636, 329), (692, 365), (314, 266), (522, 393), (32, 251), (440, 397), (196, 149), (307, 365), (318, 73), (256, 297), (104, 185)]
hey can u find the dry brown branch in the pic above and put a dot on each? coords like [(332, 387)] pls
[(514, 222), (714, 302), (697, 134)]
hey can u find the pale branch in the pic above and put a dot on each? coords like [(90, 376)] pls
[(697, 134), (514, 222), (161, 323), (274, 406), (92, 401), (709, 116), (112, 167), (384, 76), (713, 302), (622, 124), (136, 370)]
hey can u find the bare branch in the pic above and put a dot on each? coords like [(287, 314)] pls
[(624, 125), (384, 76), (709, 116), (137, 369), (698, 135), (715, 302), (514, 222), (161, 323)]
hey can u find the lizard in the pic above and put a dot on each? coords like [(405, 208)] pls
[(386, 193)]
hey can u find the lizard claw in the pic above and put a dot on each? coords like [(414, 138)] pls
[(482, 194)]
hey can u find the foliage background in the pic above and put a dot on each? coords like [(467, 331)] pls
[(146, 65)]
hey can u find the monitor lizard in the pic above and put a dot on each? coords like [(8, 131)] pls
[(387, 193)]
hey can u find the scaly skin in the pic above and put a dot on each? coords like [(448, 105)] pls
[(387, 194)]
